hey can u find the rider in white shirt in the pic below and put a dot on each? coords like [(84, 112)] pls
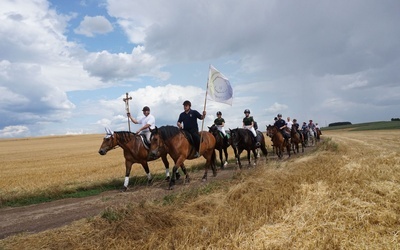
[(147, 121), (289, 123)]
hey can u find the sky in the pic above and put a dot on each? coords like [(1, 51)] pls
[(65, 66)]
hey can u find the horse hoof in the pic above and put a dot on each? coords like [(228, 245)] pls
[(226, 163), (204, 179), (178, 176), (124, 189), (167, 178), (150, 182)]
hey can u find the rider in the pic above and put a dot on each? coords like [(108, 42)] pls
[(297, 126), (289, 123), (280, 124), (189, 119), (311, 126), (220, 123), (148, 122), (304, 129), (317, 127), (248, 123)]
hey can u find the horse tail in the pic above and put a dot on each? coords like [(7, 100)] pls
[(264, 150)]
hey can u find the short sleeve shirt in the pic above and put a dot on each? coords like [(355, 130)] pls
[(148, 120), (190, 120), (219, 121), (248, 120), (280, 123)]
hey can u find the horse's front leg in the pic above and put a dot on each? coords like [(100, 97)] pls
[(166, 165), (147, 170), (221, 159), (226, 156), (238, 158), (248, 158), (128, 167)]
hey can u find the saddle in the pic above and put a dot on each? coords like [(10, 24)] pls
[(146, 143)]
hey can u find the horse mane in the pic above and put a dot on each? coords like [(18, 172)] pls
[(124, 136), (168, 132)]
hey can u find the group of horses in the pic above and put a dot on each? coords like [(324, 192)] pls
[(178, 144), (304, 138), (175, 142)]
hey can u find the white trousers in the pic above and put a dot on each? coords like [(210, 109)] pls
[(222, 130), (251, 128)]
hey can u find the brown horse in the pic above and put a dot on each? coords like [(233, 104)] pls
[(242, 139), (221, 145), (318, 132), (134, 152), (296, 138), (175, 142), (277, 140)]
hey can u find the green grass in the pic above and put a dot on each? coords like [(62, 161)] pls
[(381, 125)]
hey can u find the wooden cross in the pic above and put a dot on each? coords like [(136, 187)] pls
[(126, 100)]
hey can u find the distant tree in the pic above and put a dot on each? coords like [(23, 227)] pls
[(338, 124), (395, 119)]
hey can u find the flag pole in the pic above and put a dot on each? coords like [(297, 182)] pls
[(204, 109)]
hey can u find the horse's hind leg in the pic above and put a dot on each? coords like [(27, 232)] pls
[(187, 178)]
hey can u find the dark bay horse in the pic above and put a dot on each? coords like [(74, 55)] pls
[(221, 145), (174, 141), (277, 140), (297, 138), (134, 152), (242, 139)]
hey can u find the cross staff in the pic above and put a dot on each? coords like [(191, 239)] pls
[(126, 100)]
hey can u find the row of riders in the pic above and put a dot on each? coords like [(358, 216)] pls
[(183, 141)]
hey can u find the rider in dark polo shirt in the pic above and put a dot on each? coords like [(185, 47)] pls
[(189, 119)]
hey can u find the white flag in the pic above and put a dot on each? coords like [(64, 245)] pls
[(219, 87)]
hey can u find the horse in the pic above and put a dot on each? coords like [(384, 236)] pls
[(278, 140), (221, 145), (296, 138), (175, 142), (242, 139), (318, 134), (134, 152)]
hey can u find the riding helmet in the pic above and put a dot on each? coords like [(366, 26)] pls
[(187, 103), (279, 115), (219, 113), (246, 111), (145, 108)]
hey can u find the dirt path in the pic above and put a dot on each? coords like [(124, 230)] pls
[(50, 215)]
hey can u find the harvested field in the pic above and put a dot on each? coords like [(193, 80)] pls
[(343, 195)]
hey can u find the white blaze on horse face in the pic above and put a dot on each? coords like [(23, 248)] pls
[(126, 182)]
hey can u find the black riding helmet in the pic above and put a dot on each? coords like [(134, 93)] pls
[(219, 113), (246, 111)]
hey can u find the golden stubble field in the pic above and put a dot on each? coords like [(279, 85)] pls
[(344, 195)]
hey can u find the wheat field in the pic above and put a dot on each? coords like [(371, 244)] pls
[(343, 195)]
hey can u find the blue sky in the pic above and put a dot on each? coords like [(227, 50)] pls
[(66, 65)]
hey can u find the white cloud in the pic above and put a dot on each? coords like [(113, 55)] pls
[(94, 25), (14, 131)]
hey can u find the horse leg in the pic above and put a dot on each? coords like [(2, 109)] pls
[(187, 178), (238, 158), (226, 156), (166, 165), (173, 178), (147, 170), (248, 158), (256, 155), (128, 167), (221, 159)]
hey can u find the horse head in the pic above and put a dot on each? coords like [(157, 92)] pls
[(156, 142), (109, 142)]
